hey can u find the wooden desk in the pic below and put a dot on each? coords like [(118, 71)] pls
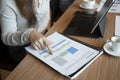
[(106, 67)]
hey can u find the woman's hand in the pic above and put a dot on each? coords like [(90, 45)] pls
[(38, 41)]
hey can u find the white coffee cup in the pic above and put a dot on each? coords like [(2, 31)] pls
[(115, 40), (88, 3)]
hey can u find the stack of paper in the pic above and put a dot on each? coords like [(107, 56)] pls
[(70, 57), (115, 7), (117, 26)]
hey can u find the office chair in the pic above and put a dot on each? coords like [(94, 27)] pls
[(6, 62), (64, 4), (58, 7)]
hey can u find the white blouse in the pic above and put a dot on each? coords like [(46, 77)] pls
[(14, 27)]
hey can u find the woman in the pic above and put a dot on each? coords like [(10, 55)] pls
[(23, 22)]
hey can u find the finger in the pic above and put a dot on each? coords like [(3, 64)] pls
[(41, 43), (34, 46), (38, 45), (49, 42), (49, 48)]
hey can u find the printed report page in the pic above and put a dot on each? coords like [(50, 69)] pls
[(68, 56)]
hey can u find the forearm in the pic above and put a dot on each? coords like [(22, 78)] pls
[(18, 38)]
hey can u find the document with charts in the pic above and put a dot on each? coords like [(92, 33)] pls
[(115, 7), (70, 57), (117, 25)]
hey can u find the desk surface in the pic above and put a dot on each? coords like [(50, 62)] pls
[(106, 67)]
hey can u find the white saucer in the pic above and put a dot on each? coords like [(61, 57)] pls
[(94, 7), (108, 49)]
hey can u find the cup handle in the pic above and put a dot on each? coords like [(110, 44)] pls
[(109, 42)]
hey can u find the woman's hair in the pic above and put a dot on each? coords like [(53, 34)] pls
[(26, 8)]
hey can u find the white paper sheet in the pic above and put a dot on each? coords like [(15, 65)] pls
[(68, 56), (117, 25), (114, 9)]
